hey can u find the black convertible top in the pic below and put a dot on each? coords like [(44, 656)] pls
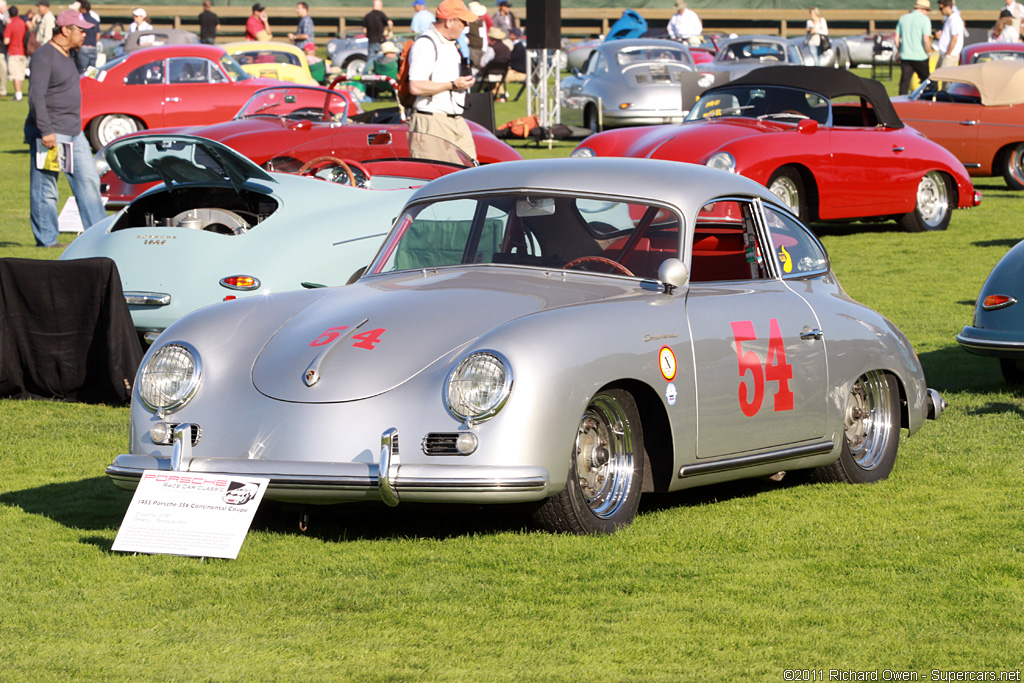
[(827, 82)]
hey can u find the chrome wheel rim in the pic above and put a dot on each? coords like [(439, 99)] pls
[(1017, 163), (355, 68), (869, 420), (113, 127), (604, 456), (785, 189), (932, 199)]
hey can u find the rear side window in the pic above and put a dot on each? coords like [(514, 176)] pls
[(149, 74)]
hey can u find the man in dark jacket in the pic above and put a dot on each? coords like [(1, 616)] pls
[(55, 121)]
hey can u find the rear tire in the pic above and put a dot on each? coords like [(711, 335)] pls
[(590, 119), (1013, 167), (606, 470), (871, 433), (933, 208), (105, 129)]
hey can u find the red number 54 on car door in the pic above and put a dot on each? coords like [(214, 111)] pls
[(754, 376)]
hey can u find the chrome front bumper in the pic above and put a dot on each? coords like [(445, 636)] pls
[(387, 480)]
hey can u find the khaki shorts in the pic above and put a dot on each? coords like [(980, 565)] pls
[(514, 76), (452, 129), (16, 66)]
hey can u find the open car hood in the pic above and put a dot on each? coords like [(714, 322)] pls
[(179, 159)]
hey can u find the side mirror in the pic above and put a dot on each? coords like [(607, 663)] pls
[(807, 126), (673, 273)]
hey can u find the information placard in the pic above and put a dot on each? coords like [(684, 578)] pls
[(188, 513)]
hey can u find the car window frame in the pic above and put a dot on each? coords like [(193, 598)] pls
[(786, 213)]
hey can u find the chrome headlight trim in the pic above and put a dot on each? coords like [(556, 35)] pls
[(723, 161), (100, 159), (484, 371), (582, 153), (176, 357)]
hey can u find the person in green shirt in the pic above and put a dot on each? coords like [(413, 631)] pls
[(386, 65), (914, 41)]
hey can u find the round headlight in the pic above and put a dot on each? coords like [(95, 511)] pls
[(582, 153), (170, 377), (723, 161), (479, 386)]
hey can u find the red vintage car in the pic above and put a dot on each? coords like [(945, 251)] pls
[(172, 85), (286, 126), (826, 142), (990, 52)]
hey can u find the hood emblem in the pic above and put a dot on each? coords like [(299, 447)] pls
[(312, 374)]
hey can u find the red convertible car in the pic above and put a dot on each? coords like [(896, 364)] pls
[(826, 142), (974, 112), (284, 127), (990, 52), (173, 85)]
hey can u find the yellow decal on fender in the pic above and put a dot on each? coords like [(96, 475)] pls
[(786, 259), (667, 363)]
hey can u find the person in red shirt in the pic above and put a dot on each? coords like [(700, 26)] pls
[(257, 26), (14, 40)]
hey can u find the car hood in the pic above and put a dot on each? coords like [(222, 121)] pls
[(694, 140), (370, 337), (179, 159)]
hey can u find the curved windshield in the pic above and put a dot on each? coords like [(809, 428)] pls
[(234, 71), (246, 57), (609, 237), (756, 50), (997, 55), (645, 54), (762, 102), (310, 104)]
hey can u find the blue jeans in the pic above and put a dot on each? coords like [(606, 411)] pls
[(84, 182), (85, 57), (372, 52)]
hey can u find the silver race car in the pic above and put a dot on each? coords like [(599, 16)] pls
[(563, 333)]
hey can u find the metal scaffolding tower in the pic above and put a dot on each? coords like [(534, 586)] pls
[(543, 78)]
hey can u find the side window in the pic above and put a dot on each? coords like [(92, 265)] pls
[(149, 74), (725, 244), (187, 70), (797, 252)]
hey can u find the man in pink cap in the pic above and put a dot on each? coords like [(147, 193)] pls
[(55, 116), (435, 77)]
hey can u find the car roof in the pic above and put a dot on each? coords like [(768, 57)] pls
[(826, 82), (214, 52), (260, 45), (1000, 82), (688, 186)]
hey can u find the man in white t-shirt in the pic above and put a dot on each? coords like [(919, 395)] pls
[(684, 24), (951, 41), (435, 78)]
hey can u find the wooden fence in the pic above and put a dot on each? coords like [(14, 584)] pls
[(577, 22)]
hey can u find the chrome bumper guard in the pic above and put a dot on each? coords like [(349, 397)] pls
[(386, 480), (936, 404), (147, 298)]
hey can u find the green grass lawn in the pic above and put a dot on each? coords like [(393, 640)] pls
[(733, 582)]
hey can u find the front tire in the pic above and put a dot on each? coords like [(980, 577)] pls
[(933, 209), (105, 129), (606, 470), (1013, 167), (788, 186), (354, 66), (871, 432)]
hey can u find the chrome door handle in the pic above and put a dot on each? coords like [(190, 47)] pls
[(812, 334), (898, 149), (172, 99), (968, 123)]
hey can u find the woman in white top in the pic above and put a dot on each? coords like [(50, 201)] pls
[(816, 28), (1005, 30)]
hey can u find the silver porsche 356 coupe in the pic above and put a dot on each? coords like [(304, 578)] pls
[(563, 333)]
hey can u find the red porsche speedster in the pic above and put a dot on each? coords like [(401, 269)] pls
[(827, 142), (173, 85), (281, 128), (974, 112)]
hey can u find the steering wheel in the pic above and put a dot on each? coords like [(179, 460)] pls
[(314, 166), (614, 265)]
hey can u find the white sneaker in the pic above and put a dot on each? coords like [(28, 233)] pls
[(17, 96)]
